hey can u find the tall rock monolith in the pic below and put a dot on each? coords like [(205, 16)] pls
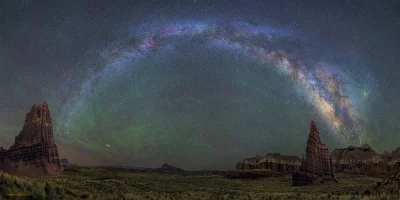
[(34, 152), (316, 167)]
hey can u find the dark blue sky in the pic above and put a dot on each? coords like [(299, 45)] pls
[(201, 84)]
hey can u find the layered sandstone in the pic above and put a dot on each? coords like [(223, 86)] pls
[(316, 167), (34, 152), (274, 162), (360, 160)]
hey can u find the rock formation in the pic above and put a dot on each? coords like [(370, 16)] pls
[(274, 162), (317, 165), (34, 152), (360, 160)]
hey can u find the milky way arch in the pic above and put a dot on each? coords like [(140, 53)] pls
[(330, 89)]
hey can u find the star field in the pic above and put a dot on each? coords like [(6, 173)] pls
[(201, 84)]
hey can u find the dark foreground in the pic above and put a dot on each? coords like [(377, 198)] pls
[(117, 183)]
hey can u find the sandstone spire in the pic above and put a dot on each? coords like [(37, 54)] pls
[(317, 165)]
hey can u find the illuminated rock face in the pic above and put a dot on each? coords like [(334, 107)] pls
[(317, 165), (34, 152), (272, 162)]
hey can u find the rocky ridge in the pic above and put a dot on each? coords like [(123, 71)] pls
[(364, 160), (359, 160)]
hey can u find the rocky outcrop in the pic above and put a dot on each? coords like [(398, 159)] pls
[(316, 167), (396, 152), (169, 168), (360, 160), (394, 162), (274, 162), (34, 152)]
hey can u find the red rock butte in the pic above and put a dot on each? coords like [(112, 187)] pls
[(34, 152)]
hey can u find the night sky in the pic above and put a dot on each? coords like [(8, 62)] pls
[(201, 84)]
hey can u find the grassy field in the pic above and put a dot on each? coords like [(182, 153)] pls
[(115, 183)]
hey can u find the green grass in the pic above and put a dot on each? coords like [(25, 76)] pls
[(112, 183)]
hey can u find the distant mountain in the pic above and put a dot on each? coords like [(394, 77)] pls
[(64, 162), (166, 167)]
